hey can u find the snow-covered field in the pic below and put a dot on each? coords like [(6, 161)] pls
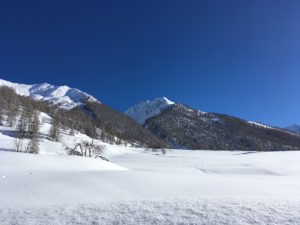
[(199, 187), (139, 186)]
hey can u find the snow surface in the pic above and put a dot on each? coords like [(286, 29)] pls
[(260, 125), (27, 164), (47, 146), (139, 186), (63, 96), (181, 187), (144, 110), (206, 211)]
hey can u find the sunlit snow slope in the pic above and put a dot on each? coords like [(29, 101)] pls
[(63, 96)]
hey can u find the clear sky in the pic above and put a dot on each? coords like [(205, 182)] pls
[(236, 57)]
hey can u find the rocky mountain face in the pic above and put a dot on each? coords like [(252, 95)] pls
[(186, 128)]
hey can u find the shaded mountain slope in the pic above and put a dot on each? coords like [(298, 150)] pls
[(183, 127)]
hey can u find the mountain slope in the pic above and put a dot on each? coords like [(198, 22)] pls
[(122, 126), (81, 112), (294, 128), (63, 96), (186, 128), (144, 110)]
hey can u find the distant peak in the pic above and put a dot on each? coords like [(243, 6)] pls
[(161, 99), (144, 110), (168, 101)]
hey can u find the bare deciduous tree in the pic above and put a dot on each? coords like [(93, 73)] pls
[(54, 132), (33, 145), (19, 144)]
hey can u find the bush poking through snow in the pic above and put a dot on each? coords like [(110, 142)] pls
[(87, 149)]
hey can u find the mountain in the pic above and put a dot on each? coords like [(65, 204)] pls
[(144, 110), (81, 112), (159, 123), (294, 128), (187, 128), (122, 126), (62, 96)]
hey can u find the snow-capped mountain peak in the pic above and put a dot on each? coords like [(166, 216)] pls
[(64, 96), (144, 110)]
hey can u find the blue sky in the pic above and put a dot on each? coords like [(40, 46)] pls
[(235, 57)]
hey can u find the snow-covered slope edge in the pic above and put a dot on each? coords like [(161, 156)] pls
[(52, 155), (63, 96), (144, 110)]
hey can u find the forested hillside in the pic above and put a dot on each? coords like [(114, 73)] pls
[(95, 120)]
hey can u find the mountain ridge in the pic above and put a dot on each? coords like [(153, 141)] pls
[(184, 127), (160, 123), (147, 109), (77, 111), (63, 96)]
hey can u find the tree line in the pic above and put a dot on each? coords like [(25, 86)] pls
[(23, 113)]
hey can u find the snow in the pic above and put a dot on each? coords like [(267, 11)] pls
[(31, 163), (46, 146), (139, 186), (181, 187), (168, 102), (63, 96), (206, 211), (144, 110), (260, 125)]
